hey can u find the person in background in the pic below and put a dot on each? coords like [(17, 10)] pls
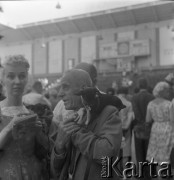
[(28, 89), (110, 91), (136, 90), (53, 97), (23, 149), (60, 111), (158, 113), (46, 94), (91, 138), (170, 80), (90, 69), (150, 89), (36, 96), (2, 96), (139, 103), (126, 115)]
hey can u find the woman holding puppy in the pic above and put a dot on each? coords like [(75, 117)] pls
[(19, 144)]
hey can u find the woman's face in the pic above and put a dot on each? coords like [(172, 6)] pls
[(165, 93), (15, 78)]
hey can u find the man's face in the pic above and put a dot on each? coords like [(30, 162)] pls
[(67, 90)]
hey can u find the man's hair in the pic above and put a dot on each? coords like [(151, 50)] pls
[(142, 82), (90, 69), (79, 77)]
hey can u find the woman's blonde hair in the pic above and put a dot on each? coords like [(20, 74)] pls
[(15, 59), (159, 88)]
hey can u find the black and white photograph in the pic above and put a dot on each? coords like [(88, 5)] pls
[(87, 90)]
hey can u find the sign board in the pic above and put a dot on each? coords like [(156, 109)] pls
[(125, 48), (125, 63), (108, 50), (140, 47)]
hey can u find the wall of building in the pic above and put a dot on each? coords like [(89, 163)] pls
[(148, 33), (56, 54), (19, 48), (71, 52), (40, 58), (166, 37), (88, 48)]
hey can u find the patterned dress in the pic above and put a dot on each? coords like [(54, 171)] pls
[(18, 160), (160, 142)]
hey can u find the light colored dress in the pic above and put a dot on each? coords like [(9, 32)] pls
[(18, 160), (160, 142)]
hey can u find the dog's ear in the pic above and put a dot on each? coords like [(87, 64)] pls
[(78, 93)]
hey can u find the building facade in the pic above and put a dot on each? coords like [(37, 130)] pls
[(123, 43)]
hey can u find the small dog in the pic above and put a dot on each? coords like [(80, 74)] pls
[(97, 101)]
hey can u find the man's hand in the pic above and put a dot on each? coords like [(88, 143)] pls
[(65, 130)]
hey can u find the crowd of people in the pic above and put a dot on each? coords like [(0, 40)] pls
[(64, 136)]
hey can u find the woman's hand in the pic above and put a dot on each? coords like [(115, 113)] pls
[(12, 123), (21, 127)]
